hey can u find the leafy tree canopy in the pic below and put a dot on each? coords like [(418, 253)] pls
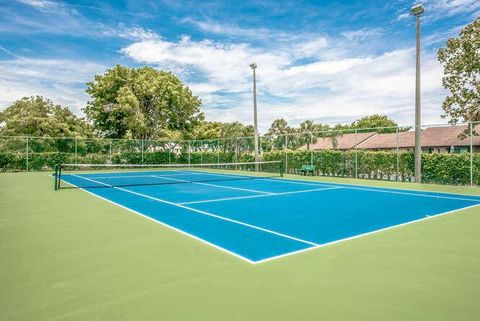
[(461, 61), (279, 127), (39, 116), (375, 121), (140, 103), (212, 130)]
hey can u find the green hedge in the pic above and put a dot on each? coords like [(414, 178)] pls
[(451, 169), (436, 168)]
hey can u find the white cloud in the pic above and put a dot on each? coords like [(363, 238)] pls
[(132, 33), (39, 3), (63, 81), (324, 90), (231, 30), (451, 7), (404, 16), (310, 48), (363, 34)]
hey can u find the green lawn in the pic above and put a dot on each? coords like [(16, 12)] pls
[(67, 255)]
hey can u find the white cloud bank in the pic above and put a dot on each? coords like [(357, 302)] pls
[(63, 81), (333, 90)]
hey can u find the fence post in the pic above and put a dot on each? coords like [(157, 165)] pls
[(398, 155), (236, 152), (142, 150), (311, 148), (356, 155), (471, 154), (110, 150), (76, 150), (27, 155), (286, 154)]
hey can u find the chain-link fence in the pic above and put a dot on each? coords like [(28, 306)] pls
[(451, 154)]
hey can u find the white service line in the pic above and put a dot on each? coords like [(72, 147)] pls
[(372, 189), (117, 177), (365, 234), (180, 173), (203, 212), (256, 196), (215, 185)]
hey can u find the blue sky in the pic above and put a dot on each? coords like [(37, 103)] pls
[(331, 61)]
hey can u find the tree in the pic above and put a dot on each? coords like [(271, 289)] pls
[(140, 103), (306, 136), (39, 116), (236, 135), (376, 121), (461, 61), (278, 128), (205, 130)]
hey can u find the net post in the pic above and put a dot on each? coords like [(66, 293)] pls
[(471, 154), (58, 176), (189, 152), (27, 154), (282, 169), (55, 176), (142, 143)]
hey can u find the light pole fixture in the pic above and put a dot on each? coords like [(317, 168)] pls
[(255, 123), (417, 10)]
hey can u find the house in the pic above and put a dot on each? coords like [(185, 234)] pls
[(341, 142), (443, 139)]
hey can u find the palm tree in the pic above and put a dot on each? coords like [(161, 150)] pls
[(306, 129)]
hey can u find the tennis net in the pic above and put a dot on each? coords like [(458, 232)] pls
[(121, 175)]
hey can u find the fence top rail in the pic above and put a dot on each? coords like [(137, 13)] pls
[(177, 141), (169, 165)]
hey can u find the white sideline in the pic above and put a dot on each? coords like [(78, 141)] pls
[(255, 196), (315, 246), (372, 189), (215, 185), (180, 173), (203, 212), (364, 234)]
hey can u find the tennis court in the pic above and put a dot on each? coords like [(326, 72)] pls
[(258, 218)]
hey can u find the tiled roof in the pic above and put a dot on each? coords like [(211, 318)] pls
[(445, 136), (343, 142)]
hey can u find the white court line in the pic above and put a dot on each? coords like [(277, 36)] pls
[(180, 173), (120, 177), (372, 189), (168, 226), (274, 257), (364, 234), (215, 185), (256, 196), (203, 212)]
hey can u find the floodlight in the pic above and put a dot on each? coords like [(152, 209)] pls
[(417, 9), (253, 65)]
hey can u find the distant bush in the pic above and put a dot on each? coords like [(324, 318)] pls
[(436, 168)]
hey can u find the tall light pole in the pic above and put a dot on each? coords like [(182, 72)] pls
[(417, 11), (255, 124)]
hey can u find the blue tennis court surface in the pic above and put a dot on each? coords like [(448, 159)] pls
[(262, 219)]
